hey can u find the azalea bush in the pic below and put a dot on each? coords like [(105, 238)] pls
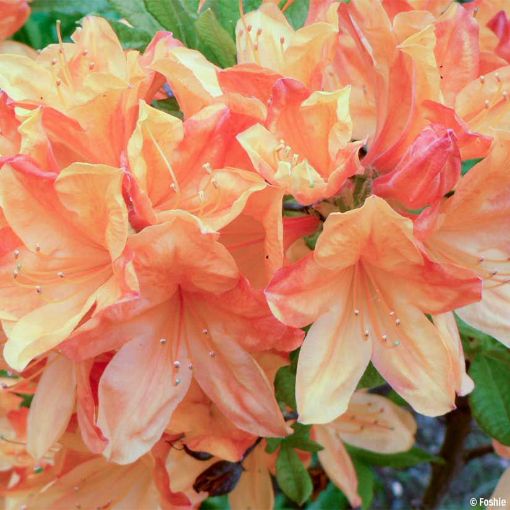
[(254, 254)]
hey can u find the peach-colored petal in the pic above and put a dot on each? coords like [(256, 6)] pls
[(334, 340), (336, 462), (448, 328), (52, 405), (375, 423), (255, 488), (139, 390), (230, 376)]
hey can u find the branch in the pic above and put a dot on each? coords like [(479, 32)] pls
[(474, 453), (458, 426)]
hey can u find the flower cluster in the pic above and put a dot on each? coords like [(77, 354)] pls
[(151, 288)]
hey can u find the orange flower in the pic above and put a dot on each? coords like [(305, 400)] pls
[(195, 318), (304, 146), (371, 422), (80, 99), (71, 231), (470, 229), (368, 287), (191, 166)]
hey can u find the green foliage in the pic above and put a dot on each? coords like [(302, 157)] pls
[(215, 42), (177, 16), (70, 6), (401, 460), (27, 399), (131, 38), (285, 384), (297, 13), (366, 483), (291, 475), (469, 164), (371, 378), (490, 400), (475, 341), (331, 497), (135, 12)]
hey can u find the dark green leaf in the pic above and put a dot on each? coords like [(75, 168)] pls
[(371, 378), (136, 13), (397, 460), (331, 497), (169, 106), (176, 16), (227, 11), (27, 399), (215, 42), (475, 341), (285, 386), (490, 400), (272, 444), (300, 439), (292, 477), (131, 38), (215, 503), (366, 482)]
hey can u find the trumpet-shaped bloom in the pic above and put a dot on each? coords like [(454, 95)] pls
[(195, 318), (191, 166), (371, 422), (368, 287), (470, 229), (71, 230), (304, 145)]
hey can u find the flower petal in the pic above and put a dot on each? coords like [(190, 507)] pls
[(52, 406)]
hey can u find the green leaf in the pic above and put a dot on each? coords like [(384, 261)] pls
[(215, 42), (300, 439), (297, 13), (131, 38), (176, 16), (469, 164), (285, 386), (331, 497), (136, 13), (366, 484), (215, 503), (272, 444), (371, 378), (294, 358), (490, 400), (292, 477), (475, 341), (169, 106), (27, 399), (227, 11), (407, 459), (70, 6)]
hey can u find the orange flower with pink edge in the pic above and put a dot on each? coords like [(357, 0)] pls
[(195, 166), (304, 145), (195, 319), (70, 231), (470, 229), (366, 288)]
